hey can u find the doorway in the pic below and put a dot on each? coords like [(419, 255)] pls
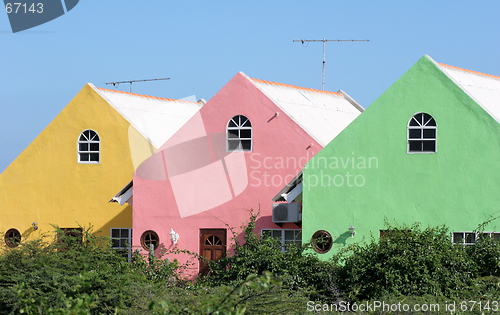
[(212, 247)]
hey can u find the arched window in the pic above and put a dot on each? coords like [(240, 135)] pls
[(239, 134), (422, 133), (88, 147)]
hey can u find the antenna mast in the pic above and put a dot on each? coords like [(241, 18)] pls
[(132, 81), (324, 40)]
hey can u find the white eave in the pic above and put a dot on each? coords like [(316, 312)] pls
[(484, 89), (291, 190), (124, 195), (157, 119), (322, 114)]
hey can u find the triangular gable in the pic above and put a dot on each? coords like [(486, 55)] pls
[(483, 88), (322, 114), (156, 118)]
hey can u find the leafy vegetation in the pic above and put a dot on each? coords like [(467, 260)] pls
[(411, 264)]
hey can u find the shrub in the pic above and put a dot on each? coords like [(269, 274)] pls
[(48, 273), (407, 261), (301, 271)]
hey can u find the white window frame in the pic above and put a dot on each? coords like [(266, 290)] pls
[(422, 128), (495, 235), (120, 246), (239, 121), (282, 239), (88, 141)]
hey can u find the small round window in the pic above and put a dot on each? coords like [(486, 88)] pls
[(150, 237), (12, 238), (322, 241)]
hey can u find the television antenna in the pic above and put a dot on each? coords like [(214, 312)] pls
[(115, 83), (324, 40)]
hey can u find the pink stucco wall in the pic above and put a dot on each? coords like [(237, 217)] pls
[(280, 150)]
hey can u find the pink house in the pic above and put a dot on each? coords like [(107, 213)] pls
[(234, 155)]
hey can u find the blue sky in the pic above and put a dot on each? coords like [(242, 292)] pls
[(201, 45)]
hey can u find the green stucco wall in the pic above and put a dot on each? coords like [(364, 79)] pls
[(459, 185)]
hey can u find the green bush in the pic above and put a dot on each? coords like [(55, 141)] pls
[(48, 273), (300, 270), (417, 262)]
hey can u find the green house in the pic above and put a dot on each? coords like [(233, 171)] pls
[(427, 150)]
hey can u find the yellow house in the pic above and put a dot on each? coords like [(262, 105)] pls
[(67, 175)]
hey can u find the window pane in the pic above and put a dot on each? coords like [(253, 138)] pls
[(458, 238), (232, 133), (83, 146), (115, 243), (94, 147), (277, 234), (84, 157), (469, 238), (94, 157), (289, 235), (418, 117), (86, 133), (123, 243), (428, 120), (413, 122), (483, 235), (246, 133), (124, 233), (415, 146), (231, 123), (298, 235), (115, 232), (233, 144), (246, 122), (246, 144), (429, 146), (430, 133), (266, 233), (415, 133)]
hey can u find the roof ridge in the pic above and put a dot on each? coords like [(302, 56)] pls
[(296, 87), (148, 96), (471, 71)]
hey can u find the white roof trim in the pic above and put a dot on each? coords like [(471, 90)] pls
[(322, 114), (289, 187), (482, 88), (157, 119), (124, 195), (297, 190)]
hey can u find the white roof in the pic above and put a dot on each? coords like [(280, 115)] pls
[(484, 89), (322, 114), (157, 119)]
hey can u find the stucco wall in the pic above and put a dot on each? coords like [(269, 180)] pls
[(276, 141), (47, 185), (457, 186)]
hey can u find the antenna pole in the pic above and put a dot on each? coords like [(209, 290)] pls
[(132, 81), (324, 40)]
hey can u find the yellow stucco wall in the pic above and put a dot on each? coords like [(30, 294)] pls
[(47, 185)]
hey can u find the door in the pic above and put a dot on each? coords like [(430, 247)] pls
[(212, 246)]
